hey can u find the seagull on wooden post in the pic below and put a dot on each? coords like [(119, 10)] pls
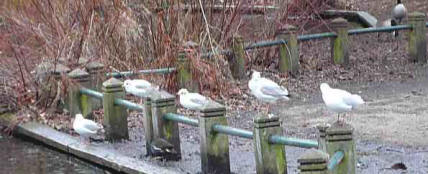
[(266, 90), (192, 101), (84, 127), (139, 87), (338, 100)]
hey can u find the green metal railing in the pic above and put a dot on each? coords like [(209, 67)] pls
[(274, 139), (263, 44), (148, 71), (181, 119), (315, 36), (379, 29), (335, 160), (118, 101)]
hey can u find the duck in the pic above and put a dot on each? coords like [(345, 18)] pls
[(162, 149)]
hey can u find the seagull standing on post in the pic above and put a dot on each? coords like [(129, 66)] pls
[(192, 101), (338, 100), (266, 90), (139, 87), (84, 127)]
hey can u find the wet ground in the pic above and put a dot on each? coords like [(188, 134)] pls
[(18, 156)]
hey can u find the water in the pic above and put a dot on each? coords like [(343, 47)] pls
[(21, 157)]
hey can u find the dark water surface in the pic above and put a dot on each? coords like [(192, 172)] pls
[(22, 157)]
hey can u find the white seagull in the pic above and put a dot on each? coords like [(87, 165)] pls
[(84, 127), (192, 101), (138, 87), (266, 90), (338, 100), (399, 11)]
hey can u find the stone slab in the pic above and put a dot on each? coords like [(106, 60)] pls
[(91, 152)]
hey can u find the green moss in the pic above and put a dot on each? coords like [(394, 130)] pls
[(7, 117)]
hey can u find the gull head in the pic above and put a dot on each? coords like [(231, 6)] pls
[(255, 75), (324, 87), (79, 116), (182, 92), (126, 83)]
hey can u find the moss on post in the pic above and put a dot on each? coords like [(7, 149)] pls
[(115, 116), (237, 62), (162, 103), (184, 73), (339, 137), (214, 146), (417, 38), (77, 102), (340, 44), (321, 139), (96, 71), (270, 158), (148, 124), (288, 52), (313, 161)]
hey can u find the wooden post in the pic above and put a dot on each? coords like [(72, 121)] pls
[(417, 38), (339, 138), (237, 62), (115, 116), (321, 139), (184, 73), (270, 158), (96, 71), (339, 44), (148, 124), (288, 52), (162, 103), (214, 146), (313, 161), (77, 102)]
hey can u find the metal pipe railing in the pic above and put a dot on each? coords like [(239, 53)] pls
[(316, 36), (335, 160), (277, 139), (426, 24), (232, 131), (379, 29), (264, 44), (147, 71), (181, 119), (128, 104), (91, 93)]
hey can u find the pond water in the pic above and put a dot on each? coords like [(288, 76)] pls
[(22, 157)]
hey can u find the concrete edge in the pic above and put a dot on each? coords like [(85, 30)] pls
[(93, 153)]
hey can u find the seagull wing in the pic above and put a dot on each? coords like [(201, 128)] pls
[(197, 98), (90, 125)]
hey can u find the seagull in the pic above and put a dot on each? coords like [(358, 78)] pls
[(192, 101), (399, 11), (138, 87), (266, 90), (85, 127), (161, 148), (338, 100)]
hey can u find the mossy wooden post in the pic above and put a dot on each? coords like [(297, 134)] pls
[(115, 116), (77, 102), (321, 139), (313, 161), (237, 62), (56, 74), (340, 44), (184, 73), (417, 38), (148, 124), (339, 137), (96, 71), (289, 51), (270, 158), (214, 146), (162, 103)]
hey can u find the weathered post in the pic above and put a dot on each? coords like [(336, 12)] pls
[(163, 103), (289, 51), (214, 146), (115, 116), (237, 62), (270, 158), (340, 44), (95, 69), (148, 124), (321, 139), (339, 138), (77, 102), (313, 161), (417, 38), (184, 73)]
